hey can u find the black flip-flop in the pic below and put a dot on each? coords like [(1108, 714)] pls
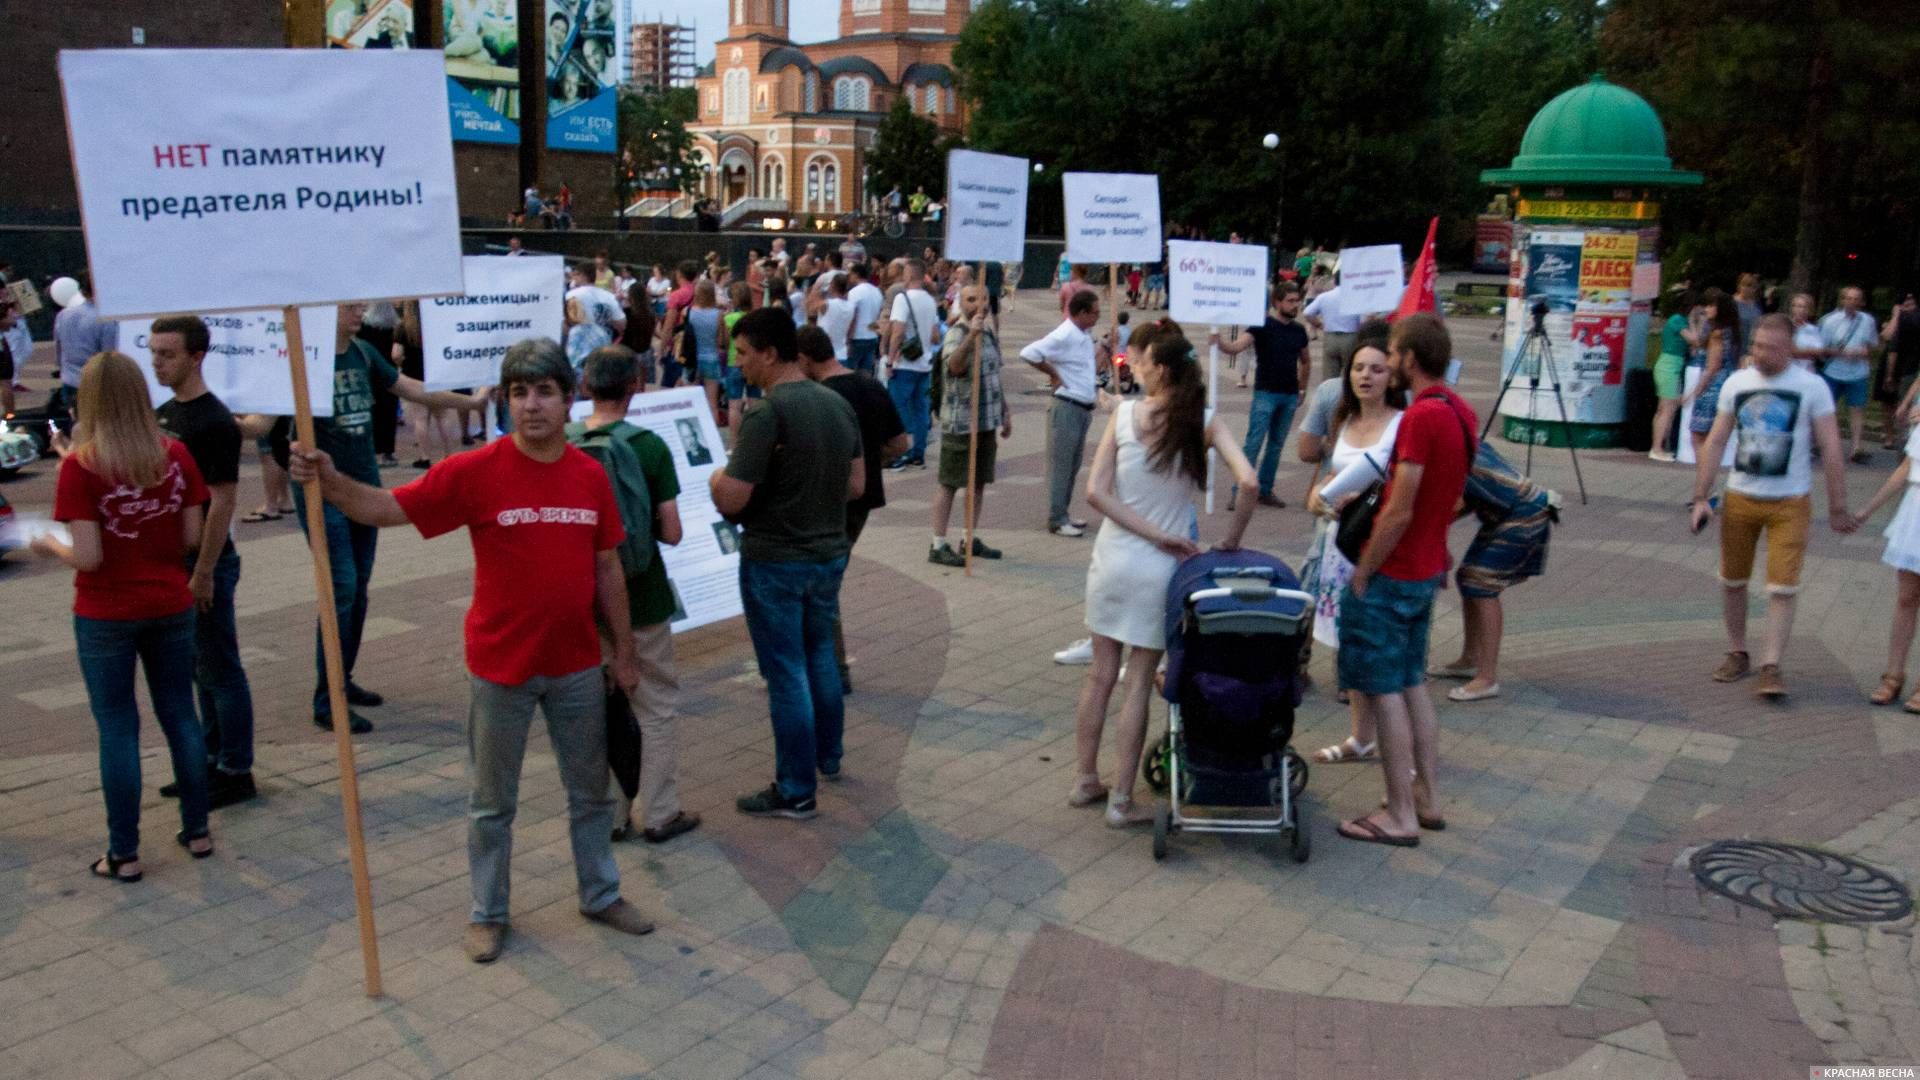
[(1374, 834), (112, 870), (256, 517)]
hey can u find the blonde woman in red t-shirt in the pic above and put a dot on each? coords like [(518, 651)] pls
[(133, 500)]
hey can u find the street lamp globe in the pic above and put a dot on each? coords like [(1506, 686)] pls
[(1272, 141)]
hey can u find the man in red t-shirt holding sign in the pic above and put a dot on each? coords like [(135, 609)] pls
[(1387, 610), (544, 526)]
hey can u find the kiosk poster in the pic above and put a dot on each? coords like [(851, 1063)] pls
[(704, 568), (1586, 279), (370, 24), (483, 69), (582, 72)]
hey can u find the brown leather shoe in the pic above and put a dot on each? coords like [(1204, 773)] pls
[(1770, 684), (484, 941), (1733, 668), (623, 917)]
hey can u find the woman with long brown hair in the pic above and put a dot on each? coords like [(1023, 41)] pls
[(1151, 461), (133, 501), (1725, 348)]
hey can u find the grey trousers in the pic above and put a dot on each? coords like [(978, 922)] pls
[(1336, 351), (498, 718), (1067, 424)]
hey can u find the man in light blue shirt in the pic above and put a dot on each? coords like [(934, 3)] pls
[(1850, 336), (78, 333)]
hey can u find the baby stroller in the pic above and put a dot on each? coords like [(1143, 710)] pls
[(1235, 620)]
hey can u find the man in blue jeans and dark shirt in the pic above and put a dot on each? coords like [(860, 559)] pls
[(796, 464), (1281, 368), (347, 437)]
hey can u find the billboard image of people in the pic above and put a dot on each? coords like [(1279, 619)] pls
[(370, 24), (582, 72), (483, 69)]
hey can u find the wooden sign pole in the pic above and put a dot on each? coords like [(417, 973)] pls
[(973, 423), (1213, 402), (336, 667)]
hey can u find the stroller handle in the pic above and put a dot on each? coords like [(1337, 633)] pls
[(1251, 595)]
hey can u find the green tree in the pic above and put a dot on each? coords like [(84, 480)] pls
[(908, 151), (1805, 119), (655, 147)]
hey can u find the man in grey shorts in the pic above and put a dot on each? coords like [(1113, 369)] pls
[(1070, 360)]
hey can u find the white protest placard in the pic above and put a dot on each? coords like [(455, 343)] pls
[(986, 207), (26, 298), (246, 364), (508, 300), (704, 568), (1218, 284), (1112, 217), (233, 179), (1370, 279)]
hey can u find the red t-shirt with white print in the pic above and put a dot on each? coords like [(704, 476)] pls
[(537, 528), (143, 546)]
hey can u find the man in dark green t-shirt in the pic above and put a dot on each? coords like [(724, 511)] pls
[(347, 437), (796, 463), (610, 377)]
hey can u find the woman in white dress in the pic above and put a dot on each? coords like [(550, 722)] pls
[(1151, 461), (1366, 421), (1903, 554)]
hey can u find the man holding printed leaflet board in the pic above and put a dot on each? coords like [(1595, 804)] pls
[(300, 202)]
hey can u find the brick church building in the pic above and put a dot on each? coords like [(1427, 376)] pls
[(783, 129)]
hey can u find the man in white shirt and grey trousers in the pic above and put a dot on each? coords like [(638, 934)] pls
[(1070, 360)]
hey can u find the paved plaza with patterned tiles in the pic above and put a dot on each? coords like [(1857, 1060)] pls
[(948, 915)]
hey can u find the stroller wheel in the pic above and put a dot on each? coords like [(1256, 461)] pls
[(1296, 774), (1162, 822), (1301, 846), (1153, 765)]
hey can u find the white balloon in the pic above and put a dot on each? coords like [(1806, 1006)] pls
[(1270, 141), (65, 292)]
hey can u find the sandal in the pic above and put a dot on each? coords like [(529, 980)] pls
[(1125, 815), (1087, 792), (255, 517), (1913, 703), (109, 867), (1889, 688), (188, 842), (1348, 749), (1366, 831)]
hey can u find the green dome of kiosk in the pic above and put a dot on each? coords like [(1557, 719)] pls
[(1594, 134)]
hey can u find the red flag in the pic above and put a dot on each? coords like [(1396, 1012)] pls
[(1420, 294)]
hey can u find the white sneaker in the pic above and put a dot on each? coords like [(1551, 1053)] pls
[(1067, 529), (1660, 455), (1078, 653)]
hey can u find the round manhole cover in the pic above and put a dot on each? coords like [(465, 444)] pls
[(1800, 882)]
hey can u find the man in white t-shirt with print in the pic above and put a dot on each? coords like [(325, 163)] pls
[(1779, 411), (914, 320), (1851, 335)]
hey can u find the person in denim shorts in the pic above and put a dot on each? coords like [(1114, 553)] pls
[(1386, 610)]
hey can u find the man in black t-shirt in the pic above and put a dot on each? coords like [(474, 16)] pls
[(882, 438), (198, 419), (1281, 368)]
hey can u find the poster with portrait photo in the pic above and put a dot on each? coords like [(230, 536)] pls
[(582, 71), (693, 443), (727, 535), (483, 69), (1764, 422), (370, 24)]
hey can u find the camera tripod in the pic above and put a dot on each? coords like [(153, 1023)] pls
[(1536, 354)]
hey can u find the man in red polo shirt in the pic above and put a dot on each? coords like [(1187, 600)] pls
[(544, 527), (1387, 610)]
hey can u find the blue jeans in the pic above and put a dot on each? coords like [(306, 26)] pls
[(909, 392), (350, 549), (498, 718), (226, 701), (1272, 415), (791, 609), (163, 647), (863, 354), (670, 371)]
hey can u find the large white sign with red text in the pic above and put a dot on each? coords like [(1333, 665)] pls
[(234, 179)]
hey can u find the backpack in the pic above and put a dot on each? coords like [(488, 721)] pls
[(608, 446)]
